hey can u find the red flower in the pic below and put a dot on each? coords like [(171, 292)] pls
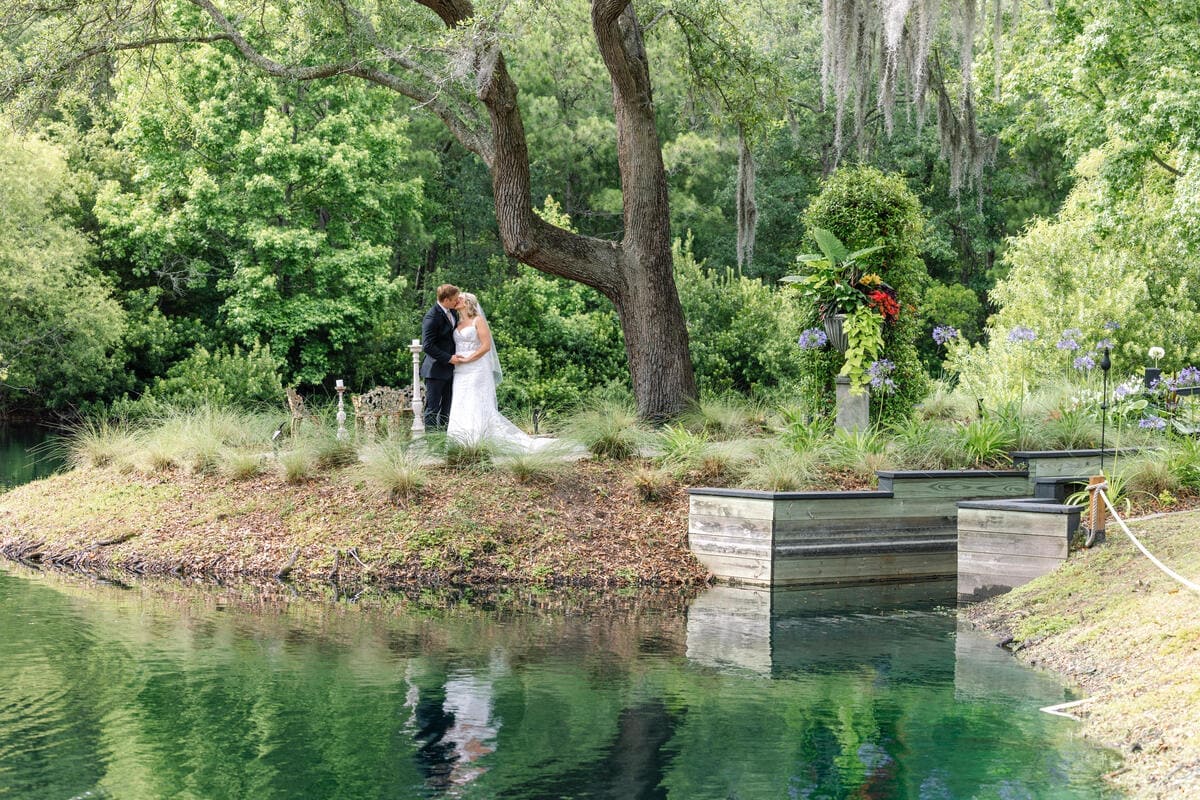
[(885, 304)]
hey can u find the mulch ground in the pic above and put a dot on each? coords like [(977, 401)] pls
[(587, 526)]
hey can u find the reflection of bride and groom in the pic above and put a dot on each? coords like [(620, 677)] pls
[(461, 370)]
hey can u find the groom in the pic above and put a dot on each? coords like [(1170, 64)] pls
[(437, 338)]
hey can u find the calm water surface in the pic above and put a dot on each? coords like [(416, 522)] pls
[(27, 453), (157, 691)]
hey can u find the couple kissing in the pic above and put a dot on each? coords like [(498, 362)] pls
[(461, 371)]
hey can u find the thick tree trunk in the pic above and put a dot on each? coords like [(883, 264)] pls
[(656, 339)]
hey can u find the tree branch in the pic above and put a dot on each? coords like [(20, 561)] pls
[(1165, 165)]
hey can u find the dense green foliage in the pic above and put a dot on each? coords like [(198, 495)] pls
[(189, 204), (60, 325)]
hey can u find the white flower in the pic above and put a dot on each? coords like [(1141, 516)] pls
[(1157, 353)]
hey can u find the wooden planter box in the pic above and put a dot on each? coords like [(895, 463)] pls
[(1003, 544), (906, 530)]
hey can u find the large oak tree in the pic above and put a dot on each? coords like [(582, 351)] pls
[(446, 56)]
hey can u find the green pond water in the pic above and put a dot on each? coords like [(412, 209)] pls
[(27, 452), (161, 690)]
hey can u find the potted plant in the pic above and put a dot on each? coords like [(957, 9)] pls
[(853, 306)]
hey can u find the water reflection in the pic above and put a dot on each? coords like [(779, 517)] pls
[(156, 693)]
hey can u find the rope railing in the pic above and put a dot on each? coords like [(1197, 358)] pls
[(1099, 488)]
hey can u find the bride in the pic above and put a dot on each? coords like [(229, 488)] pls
[(474, 417)]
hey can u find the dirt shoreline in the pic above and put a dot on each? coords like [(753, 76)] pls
[(587, 527), (1129, 637)]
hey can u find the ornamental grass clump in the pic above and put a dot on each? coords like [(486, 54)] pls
[(101, 443), (532, 466), (726, 417), (607, 429), (780, 469), (394, 469), (986, 442), (240, 465)]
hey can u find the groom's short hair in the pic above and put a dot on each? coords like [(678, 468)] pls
[(446, 291)]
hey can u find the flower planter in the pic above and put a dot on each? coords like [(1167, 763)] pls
[(1185, 391), (836, 331)]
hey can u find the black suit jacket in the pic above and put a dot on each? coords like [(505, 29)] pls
[(437, 337)]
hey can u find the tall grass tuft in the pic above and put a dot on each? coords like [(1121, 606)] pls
[(916, 444), (240, 465), (652, 483), (680, 450), (1071, 429), (726, 417), (100, 443), (531, 466), (395, 469), (986, 442), (469, 454), (780, 469), (297, 465), (804, 437), (607, 429)]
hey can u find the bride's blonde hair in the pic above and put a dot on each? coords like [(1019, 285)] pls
[(470, 304)]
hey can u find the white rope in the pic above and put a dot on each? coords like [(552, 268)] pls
[(1058, 710), (1100, 487)]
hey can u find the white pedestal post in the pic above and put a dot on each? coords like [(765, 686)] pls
[(341, 412), (418, 404)]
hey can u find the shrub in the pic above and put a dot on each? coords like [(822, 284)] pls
[(225, 377)]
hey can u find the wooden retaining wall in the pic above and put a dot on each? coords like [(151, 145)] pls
[(1004, 544), (905, 530)]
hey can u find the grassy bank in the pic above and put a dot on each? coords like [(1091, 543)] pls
[(1129, 636), (588, 525)]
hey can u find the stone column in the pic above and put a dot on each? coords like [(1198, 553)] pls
[(853, 410)]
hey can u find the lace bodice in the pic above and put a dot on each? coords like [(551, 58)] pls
[(466, 340)]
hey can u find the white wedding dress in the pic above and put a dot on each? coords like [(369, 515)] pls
[(474, 417)]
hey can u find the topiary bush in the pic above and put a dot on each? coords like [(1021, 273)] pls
[(863, 208)]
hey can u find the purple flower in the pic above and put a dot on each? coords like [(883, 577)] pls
[(944, 333), (1084, 363), (1021, 334), (1151, 422), (879, 371), (1188, 376), (1124, 390), (813, 338), (1104, 344), (1068, 339), (1111, 325)]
